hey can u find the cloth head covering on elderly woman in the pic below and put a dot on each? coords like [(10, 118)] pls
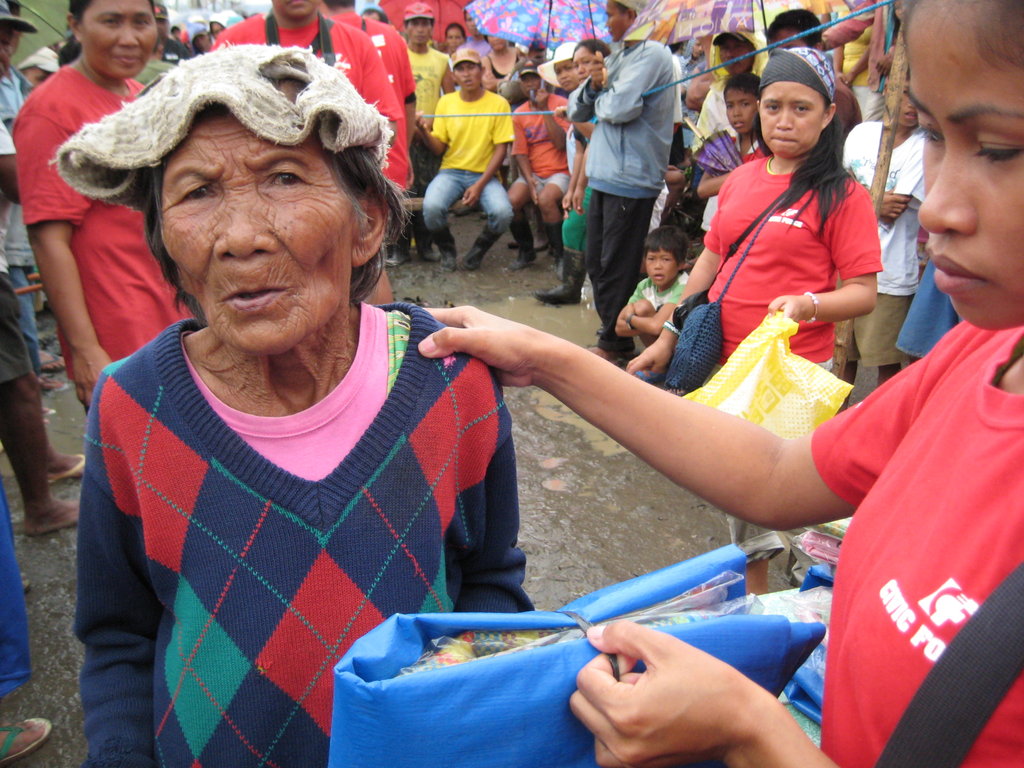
[(270, 481)]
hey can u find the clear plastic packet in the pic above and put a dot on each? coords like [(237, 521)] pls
[(704, 601), (819, 546)]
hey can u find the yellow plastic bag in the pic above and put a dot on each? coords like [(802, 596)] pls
[(765, 383)]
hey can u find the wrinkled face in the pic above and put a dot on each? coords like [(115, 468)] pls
[(793, 116), (117, 38), (262, 235), (454, 39), (295, 12), (469, 76), (973, 116), (419, 31), (565, 74), (741, 109), (586, 62), (733, 47), (661, 267), (619, 19)]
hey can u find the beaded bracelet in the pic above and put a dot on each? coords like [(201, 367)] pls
[(669, 327), (816, 302)]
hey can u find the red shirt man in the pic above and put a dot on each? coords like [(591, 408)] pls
[(392, 50), (298, 25)]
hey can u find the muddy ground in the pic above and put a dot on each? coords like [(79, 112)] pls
[(592, 514)]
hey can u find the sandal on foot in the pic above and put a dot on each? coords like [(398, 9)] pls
[(9, 733), (75, 470), (50, 363)]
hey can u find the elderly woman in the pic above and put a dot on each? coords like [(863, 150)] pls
[(267, 483)]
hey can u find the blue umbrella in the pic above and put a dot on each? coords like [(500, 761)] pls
[(548, 22)]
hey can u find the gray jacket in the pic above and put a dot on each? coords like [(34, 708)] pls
[(630, 146)]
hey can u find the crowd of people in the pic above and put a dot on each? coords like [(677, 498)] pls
[(257, 402)]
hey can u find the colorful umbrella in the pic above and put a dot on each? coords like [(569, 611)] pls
[(674, 21), (547, 22)]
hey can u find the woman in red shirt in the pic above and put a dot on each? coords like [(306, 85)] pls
[(101, 281)]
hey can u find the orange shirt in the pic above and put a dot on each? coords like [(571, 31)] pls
[(532, 140)]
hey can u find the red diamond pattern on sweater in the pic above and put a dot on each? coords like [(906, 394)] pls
[(314, 634), (172, 487), (451, 473)]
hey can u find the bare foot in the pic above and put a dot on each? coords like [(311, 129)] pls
[(33, 734), (56, 514), (61, 466)]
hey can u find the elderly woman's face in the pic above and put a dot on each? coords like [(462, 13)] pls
[(263, 236)]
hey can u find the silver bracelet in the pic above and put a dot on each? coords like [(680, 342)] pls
[(816, 303)]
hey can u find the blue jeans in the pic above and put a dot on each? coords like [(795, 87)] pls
[(449, 185)]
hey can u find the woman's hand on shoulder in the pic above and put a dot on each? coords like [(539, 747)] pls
[(520, 354)]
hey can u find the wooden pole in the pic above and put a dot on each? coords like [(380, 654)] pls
[(894, 85)]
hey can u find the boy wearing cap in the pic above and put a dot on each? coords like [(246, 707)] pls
[(539, 149), (433, 77), (626, 165), (474, 142)]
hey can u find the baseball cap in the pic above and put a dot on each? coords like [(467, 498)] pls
[(466, 54), (723, 36), (160, 11), (45, 59), (529, 69), (418, 11), (14, 21)]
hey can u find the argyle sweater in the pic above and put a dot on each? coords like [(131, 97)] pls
[(216, 591)]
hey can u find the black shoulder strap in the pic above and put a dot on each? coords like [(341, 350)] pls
[(963, 689), (321, 45), (750, 228)]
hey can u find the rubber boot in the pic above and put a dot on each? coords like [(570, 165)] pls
[(423, 239), (398, 252), (523, 235), (554, 232), (476, 254), (572, 283), (446, 245)]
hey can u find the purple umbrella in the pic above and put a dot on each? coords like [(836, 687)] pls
[(546, 22)]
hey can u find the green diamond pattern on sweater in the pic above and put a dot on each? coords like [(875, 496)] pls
[(202, 691)]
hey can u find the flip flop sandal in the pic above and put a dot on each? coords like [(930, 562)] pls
[(9, 733), (74, 471), (51, 363)]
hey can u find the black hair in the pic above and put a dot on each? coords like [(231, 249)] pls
[(745, 82), (821, 173), (360, 178), (1000, 32), (333, 4), (668, 238), (799, 19), (594, 45), (77, 8), (461, 28)]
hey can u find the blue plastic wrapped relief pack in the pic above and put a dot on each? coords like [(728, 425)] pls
[(511, 709)]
